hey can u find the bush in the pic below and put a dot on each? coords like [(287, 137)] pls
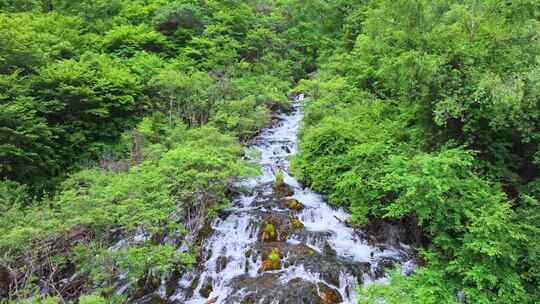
[(126, 40)]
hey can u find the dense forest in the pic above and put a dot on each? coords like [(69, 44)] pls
[(127, 120)]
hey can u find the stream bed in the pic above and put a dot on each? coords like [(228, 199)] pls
[(285, 245)]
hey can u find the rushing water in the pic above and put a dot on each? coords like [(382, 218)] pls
[(338, 256)]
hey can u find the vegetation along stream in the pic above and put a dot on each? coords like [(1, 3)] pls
[(269, 151), (282, 243)]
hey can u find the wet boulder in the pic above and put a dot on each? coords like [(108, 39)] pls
[(275, 228), (328, 295), (281, 189), (221, 263), (206, 289), (268, 232), (296, 224), (271, 260), (269, 289), (329, 266), (294, 204)]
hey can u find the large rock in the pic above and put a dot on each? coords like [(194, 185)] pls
[(271, 260), (268, 289), (294, 204), (328, 265), (206, 289), (268, 232), (329, 295)]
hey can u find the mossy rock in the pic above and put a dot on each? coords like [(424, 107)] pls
[(294, 204), (204, 233), (329, 295), (222, 263), (283, 191), (271, 260), (296, 224), (280, 179), (248, 301), (268, 232), (206, 289)]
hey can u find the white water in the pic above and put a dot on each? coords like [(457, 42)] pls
[(238, 233)]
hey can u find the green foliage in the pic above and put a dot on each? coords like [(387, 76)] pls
[(96, 14), (243, 117), (180, 20), (279, 182), (193, 171), (147, 261), (30, 42), (120, 120), (85, 101), (19, 5), (189, 96), (274, 256), (428, 119), (92, 299), (26, 150), (126, 40), (12, 195)]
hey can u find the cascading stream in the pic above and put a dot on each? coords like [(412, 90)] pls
[(322, 262)]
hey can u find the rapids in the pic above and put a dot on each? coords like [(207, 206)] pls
[(326, 254)]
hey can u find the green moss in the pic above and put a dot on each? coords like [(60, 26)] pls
[(280, 179), (269, 232), (271, 260), (273, 256), (296, 223), (294, 204)]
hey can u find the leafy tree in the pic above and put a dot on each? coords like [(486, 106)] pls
[(86, 99), (416, 119), (180, 20), (30, 42), (126, 40), (20, 5), (190, 96), (96, 14)]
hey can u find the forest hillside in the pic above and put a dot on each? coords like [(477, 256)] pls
[(126, 127)]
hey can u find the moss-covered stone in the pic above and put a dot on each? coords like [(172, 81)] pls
[(271, 260), (248, 301), (206, 289), (280, 179), (222, 263), (268, 232), (294, 204), (296, 224), (281, 189)]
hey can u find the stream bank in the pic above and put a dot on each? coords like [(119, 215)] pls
[(285, 243)]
